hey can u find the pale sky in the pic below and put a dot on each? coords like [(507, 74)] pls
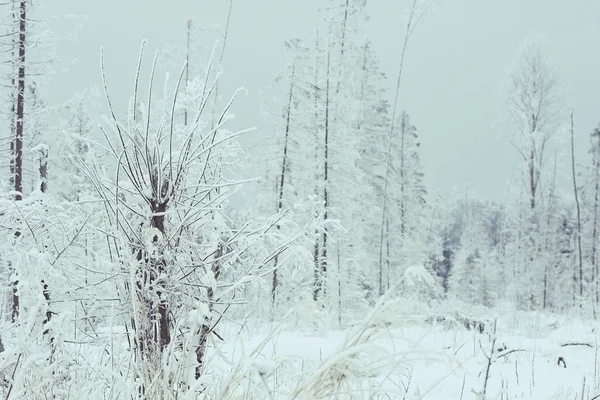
[(456, 64)]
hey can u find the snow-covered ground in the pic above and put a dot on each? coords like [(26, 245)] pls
[(421, 361)]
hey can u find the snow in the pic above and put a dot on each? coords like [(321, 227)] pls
[(437, 363), (418, 276), (339, 274)]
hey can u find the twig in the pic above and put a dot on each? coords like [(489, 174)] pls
[(489, 364), (507, 353), (72, 240), (12, 377)]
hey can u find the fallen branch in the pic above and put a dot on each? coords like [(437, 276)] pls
[(576, 344), (509, 352)]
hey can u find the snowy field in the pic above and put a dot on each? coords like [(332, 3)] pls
[(421, 361)]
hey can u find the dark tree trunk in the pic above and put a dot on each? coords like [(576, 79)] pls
[(317, 246), (154, 335), (162, 334), (281, 184), (18, 146), (316, 257), (321, 283), (46, 293), (17, 143), (43, 169)]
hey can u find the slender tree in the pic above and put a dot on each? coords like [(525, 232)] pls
[(413, 19), (284, 159), (577, 205), (595, 150), (321, 276), (19, 33), (535, 110), (20, 102)]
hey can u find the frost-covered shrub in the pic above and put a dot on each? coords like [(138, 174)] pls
[(418, 283)]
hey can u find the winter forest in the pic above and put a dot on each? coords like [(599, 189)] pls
[(156, 245)]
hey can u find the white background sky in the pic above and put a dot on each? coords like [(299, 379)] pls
[(455, 67)]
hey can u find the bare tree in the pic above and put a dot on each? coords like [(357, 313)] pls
[(415, 15), (316, 89), (536, 110), (167, 236), (284, 159), (321, 274)]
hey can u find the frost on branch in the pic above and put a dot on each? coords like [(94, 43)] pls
[(178, 262)]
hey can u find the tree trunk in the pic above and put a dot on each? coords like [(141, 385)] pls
[(532, 183), (18, 146), (281, 185), (548, 227), (13, 105), (46, 293), (343, 43), (206, 327), (162, 326), (384, 213), (153, 334), (577, 205), (402, 175), (339, 265), (595, 278), (387, 250), (317, 247), (43, 168), (317, 286), (409, 28), (323, 262)]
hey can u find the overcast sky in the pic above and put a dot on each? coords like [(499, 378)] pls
[(456, 65)]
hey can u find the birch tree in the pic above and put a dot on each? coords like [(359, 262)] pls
[(536, 112)]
